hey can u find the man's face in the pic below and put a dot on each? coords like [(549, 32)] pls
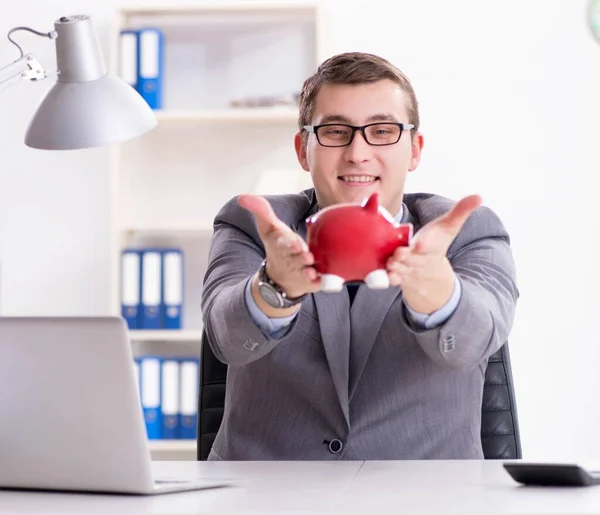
[(353, 172)]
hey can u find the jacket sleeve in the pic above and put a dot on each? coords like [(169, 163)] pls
[(235, 255), (482, 260)]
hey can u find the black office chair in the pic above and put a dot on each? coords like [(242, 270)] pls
[(499, 424), (211, 398)]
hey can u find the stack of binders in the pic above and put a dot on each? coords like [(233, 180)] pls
[(142, 62), (168, 389), (152, 288)]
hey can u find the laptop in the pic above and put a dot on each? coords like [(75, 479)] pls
[(70, 411)]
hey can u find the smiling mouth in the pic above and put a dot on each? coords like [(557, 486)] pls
[(358, 180)]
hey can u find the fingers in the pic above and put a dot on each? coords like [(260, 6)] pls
[(289, 261), (290, 243), (437, 236), (295, 262), (407, 267), (294, 273), (399, 267), (266, 219), (313, 280), (311, 274), (401, 254), (395, 279), (454, 219)]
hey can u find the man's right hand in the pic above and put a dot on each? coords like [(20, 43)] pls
[(289, 262)]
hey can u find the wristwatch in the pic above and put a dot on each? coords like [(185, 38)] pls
[(272, 293)]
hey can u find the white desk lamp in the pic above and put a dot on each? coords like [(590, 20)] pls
[(86, 107)]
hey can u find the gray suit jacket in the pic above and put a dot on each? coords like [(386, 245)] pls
[(363, 375)]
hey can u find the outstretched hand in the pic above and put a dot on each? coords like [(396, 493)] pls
[(289, 262), (422, 269)]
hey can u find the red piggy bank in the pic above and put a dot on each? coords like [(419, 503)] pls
[(352, 242)]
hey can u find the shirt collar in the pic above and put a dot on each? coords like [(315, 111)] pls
[(398, 216)]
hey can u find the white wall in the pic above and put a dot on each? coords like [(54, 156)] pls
[(510, 106)]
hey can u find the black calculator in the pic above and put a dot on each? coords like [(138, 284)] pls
[(552, 474)]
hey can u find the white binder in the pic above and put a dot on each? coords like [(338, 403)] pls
[(130, 288), (170, 399), (128, 63), (151, 289)]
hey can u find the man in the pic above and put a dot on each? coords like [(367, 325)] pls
[(366, 374)]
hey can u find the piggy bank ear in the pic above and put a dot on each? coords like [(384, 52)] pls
[(372, 203)]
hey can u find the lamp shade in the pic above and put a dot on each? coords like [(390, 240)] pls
[(86, 107)]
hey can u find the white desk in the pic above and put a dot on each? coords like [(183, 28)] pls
[(406, 487)]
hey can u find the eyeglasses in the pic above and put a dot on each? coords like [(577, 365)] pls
[(341, 135)]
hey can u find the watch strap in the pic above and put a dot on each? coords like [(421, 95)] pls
[(284, 300)]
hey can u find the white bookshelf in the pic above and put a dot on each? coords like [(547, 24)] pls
[(185, 335), (231, 9), (167, 186), (172, 445), (173, 450), (191, 230), (256, 115)]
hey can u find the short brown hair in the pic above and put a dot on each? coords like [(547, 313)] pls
[(354, 68)]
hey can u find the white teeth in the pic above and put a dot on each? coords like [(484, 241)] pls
[(358, 178)]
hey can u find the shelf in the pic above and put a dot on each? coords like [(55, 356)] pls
[(180, 230), (172, 445), (184, 335), (224, 8), (246, 115)]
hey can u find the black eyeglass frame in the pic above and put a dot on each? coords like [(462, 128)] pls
[(315, 130)]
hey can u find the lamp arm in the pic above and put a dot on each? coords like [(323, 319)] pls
[(27, 66)]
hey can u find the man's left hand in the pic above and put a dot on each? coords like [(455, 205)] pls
[(422, 269)]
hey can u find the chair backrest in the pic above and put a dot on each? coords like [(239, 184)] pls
[(211, 398), (499, 424), (500, 435)]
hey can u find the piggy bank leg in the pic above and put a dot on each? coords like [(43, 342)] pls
[(331, 283), (377, 280)]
